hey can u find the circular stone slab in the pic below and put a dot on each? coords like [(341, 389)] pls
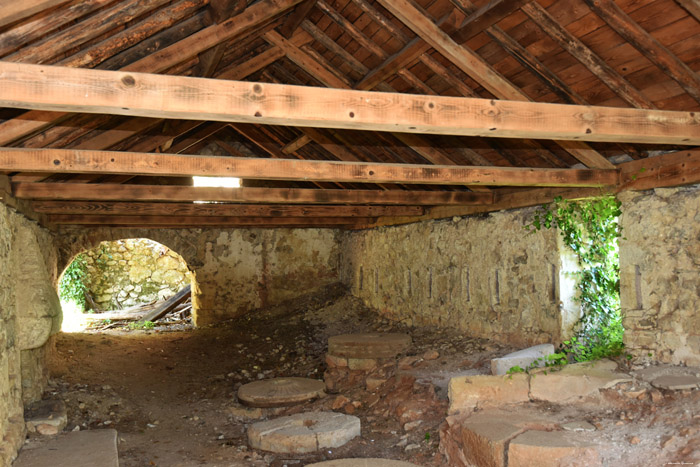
[(304, 432), (367, 462), (371, 345), (279, 392)]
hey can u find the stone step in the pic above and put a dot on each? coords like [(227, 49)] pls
[(280, 392), (551, 449), (368, 345), (522, 358), (75, 449), (304, 432)]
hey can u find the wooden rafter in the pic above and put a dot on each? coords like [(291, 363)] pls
[(117, 192), (12, 10), (110, 162), (140, 94)]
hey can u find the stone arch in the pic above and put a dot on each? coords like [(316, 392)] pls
[(68, 251)]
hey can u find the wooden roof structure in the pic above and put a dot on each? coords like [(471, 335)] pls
[(340, 113)]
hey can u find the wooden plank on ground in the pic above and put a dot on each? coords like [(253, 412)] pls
[(217, 209), (112, 162), (169, 305), (151, 95), (118, 192)]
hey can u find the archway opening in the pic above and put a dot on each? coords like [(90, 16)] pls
[(133, 283)]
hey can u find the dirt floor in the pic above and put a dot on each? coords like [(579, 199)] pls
[(172, 394)]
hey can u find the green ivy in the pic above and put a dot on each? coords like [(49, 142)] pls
[(73, 287), (591, 230)]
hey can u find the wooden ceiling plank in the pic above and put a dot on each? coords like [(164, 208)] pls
[(112, 162), (596, 65), (13, 10), (172, 193), (218, 209), (150, 95), (200, 221), (83, 31), (40, 26), (333, 46), (352, 30), (477, 68), (296, 18), (116, 43), (647, 45)]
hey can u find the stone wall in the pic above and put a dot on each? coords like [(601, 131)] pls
[(483, 274), (29, 315), (234, 271), (660, 274), (129, 272)]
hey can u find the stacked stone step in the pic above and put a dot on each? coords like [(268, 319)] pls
[(362, 359)]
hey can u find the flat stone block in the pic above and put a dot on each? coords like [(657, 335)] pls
[(485, 442), (676, 382), (280, 392), (576, 381), (336, 362), (368, 345), (358, 462), (304, 432), (522, 358), (75, 449), (468, 392), (551, 449)]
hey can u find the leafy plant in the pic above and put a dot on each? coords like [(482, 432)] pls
[(590, 229), (552, 361), (73, 284), (142, 325)]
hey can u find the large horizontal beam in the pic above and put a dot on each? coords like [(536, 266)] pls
[(163, 96), (112, 162), (115, 192), (216, 209)]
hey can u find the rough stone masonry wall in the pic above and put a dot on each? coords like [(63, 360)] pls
[(660, 274), (29, 315), (129, 272), (235, 270), (483, 274)]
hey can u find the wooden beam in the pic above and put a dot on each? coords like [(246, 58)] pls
[(163, 96), (218, 209), (520, 199), (296, 18), (111, 162), (172, 193), (651, 48), (13, 10), (201, 221), (674, 169)]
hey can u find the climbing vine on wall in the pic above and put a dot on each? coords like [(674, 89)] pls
[(73, 287), (590, 229)]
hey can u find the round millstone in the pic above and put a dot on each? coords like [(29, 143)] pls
[(366, 462), (280, 392), (304, 432), (371, 345)]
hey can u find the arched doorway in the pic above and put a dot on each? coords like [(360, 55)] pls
[(119, 283)]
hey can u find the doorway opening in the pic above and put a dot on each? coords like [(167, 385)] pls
[(134, 283)]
